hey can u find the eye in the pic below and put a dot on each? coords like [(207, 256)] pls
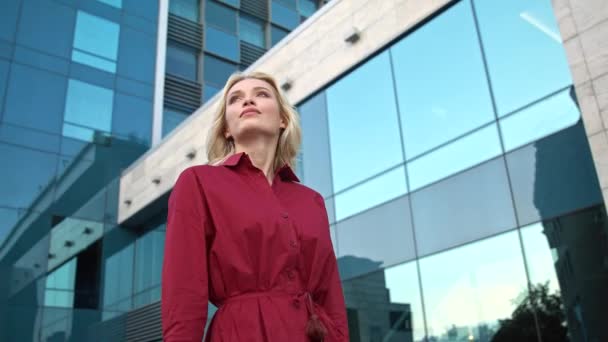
[(233, 99), (263, 93)]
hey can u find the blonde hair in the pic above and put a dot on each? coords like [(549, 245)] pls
[(219, 148)]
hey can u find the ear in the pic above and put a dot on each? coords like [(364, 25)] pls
[(283, 124), (227, 135)]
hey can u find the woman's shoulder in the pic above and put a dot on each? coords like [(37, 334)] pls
[(199, 172), (306, 190)]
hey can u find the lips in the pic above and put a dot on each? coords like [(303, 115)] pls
[(250, 111)]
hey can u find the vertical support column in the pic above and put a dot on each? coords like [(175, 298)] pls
[(159, 76)]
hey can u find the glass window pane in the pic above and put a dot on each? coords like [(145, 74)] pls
[(307, 7), (9, 13), (220, 16), (185, 8), (141, 299), (539, 257), (544, 118), (4, 68), (316, 163), (473, 149), (466, 207), (92, 75), (29, 138), (386, 304), (89, 105), (114, 3), (222, 43), (284, 16), (90, 60), (233, 3), (566, 262), (35, 21), (350, 110), (40, 60), (136, 88), (49, 91), (403, 286), (59, 298), (438, 101), (97, 38), (118, 279), (251, 30), (132, 118), (137, 55), (78, 132), (37, 167), (181, 61), (371, 193), (525, 56), (148, 260), (277, 34), (209, 91), (150, 11), (8, 218), (172, 119), (553, 176), (217, 71), (63, 278), (331, 210), (382, 236), (468, 290), (288, 3)]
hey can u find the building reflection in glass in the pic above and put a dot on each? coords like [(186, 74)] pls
[(469, 289), (384, 305)]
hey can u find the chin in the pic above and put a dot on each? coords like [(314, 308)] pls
[(251, 131)]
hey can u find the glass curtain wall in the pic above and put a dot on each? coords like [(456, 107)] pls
[(460, 183), (76, 87)]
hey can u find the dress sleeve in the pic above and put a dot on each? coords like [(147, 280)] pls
[(184, 275), (330, 294)]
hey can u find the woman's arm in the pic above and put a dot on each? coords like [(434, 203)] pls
[(184, 276), (332, 299), (329, 294)]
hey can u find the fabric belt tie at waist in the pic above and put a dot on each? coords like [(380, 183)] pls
[(315, 330)]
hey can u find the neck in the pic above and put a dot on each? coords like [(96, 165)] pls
[(262, 154)]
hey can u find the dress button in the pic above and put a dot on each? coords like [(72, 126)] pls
[(293, 244), (285, 215), (291, 274)]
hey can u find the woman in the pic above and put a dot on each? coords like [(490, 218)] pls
[(245, 235)]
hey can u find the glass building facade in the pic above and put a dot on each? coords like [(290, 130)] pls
[(76, 89), (204, 50), (462, 197), (463, 200)]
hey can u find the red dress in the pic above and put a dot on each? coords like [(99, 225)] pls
[(262, 254)]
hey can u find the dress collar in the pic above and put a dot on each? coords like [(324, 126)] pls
[(285, 171)]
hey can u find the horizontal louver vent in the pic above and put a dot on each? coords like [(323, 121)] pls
[(139, 325), (182, 94), (144, 324), (185, 31), (256, 8), (250, 53)]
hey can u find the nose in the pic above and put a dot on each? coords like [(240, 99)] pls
[(248, 101)]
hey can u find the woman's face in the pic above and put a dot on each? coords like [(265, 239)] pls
[(252, 109)]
